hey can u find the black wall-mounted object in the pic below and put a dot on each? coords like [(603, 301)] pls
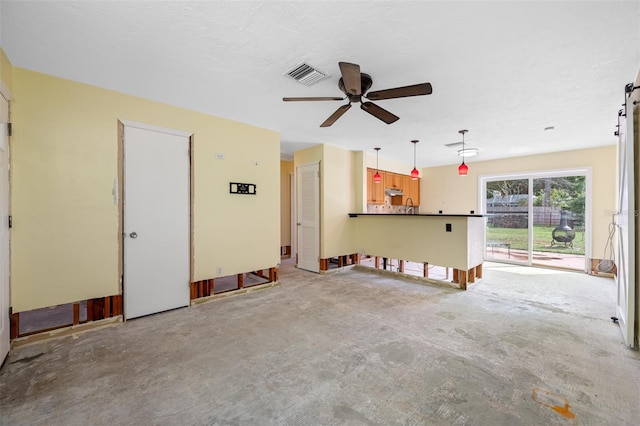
[(242, 188)]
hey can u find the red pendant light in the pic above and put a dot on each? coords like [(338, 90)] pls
[(377, 178), (415, 174), (463, 169)]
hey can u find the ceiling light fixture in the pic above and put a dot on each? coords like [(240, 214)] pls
[(377, 178), (468, 152), (463, 169), (415, 174)]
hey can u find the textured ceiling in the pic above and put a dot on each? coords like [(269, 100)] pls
[(502, 70)]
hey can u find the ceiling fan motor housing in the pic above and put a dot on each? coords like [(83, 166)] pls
[(366, 82)]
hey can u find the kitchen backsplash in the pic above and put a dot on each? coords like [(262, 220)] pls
[(387, 208)]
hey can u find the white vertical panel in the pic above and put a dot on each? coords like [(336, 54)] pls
[(625, 224), (308, 220), (156, 212)]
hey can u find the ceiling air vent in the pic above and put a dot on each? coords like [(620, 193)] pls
[(306, 74)]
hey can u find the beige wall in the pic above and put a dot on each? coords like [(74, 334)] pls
[(286, 168), (442, 189), (64, 168), (360, 181), (338, 200)]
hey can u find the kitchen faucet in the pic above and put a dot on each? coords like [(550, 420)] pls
[(408, 209)]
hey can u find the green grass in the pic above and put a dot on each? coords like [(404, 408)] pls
[(541, 239)]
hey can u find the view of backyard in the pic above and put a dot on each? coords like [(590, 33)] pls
[(518, 239), (554, 206)]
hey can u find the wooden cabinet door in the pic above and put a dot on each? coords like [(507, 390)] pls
[(406, 182), (393, 180), (414, 191), (370, 173), (375, 191), (378, 190)]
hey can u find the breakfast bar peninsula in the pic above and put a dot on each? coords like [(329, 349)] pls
[(450, 240)]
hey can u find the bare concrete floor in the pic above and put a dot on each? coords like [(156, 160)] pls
[(523, 346)]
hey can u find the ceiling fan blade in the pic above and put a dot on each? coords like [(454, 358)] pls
[(351, 77), (334, 117), (379, 113), (326, 98), (401, 92)]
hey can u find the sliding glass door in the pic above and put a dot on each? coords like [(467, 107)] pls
[(559, 222), (538, 218), (507, 210)]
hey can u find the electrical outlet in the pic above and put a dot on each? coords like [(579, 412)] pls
[(219, 270), (448, 227), (219, 156)]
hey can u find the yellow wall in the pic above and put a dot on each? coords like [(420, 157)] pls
[(286, 168), (6, 71), (338, 200), (442, 189), (360, 182), (64, 167)]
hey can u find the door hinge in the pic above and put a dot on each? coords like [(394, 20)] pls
[(10, 310), (8, 129), (10, 221)]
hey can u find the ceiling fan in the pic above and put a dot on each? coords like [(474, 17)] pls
[(355, 84)]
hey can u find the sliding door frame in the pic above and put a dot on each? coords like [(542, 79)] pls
[(577, 171)]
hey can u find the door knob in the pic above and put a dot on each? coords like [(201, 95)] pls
[(133, 235)]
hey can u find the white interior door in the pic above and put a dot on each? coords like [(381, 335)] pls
[(308, 219), (292, 220), (4, 230), (625, 224), (156, 220)]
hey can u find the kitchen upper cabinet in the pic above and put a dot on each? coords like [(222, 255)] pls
[(375, 191), (410, 189), (392, 180), (413, 191)]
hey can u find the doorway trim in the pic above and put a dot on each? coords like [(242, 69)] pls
[(575, 171), (5, 286), (118, 192), (292, 215)]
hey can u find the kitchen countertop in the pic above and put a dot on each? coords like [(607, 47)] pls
[(413, 215)]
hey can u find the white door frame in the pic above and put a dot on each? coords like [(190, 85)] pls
[(120, 201), (5, 252), (580, 171), (292, 216)]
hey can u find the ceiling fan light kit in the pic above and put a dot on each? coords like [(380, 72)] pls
[(468, 152), (463, 169), (355, 84)]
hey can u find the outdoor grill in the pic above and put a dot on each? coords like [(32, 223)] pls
[(563, 232)]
